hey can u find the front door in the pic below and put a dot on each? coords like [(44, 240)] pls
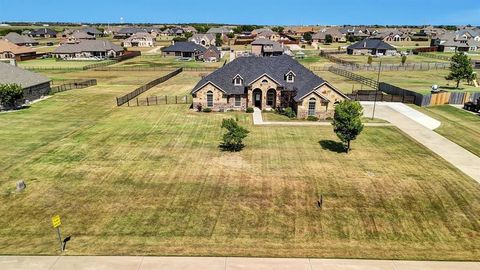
[(257, 98)]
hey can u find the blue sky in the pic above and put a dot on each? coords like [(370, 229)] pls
[(293, 12)]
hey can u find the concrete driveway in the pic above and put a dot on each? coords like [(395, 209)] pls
[(420, 127)]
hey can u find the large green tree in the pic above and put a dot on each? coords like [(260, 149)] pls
[(328, 39), (307, 37), (460, 68), (233, 138), (9, 93), (218, 40), (347, 121)]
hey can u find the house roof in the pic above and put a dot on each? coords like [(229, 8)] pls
[(19, 39), (274, 46), (25, 78), (7, 46), (198, 37), (253, 68), (81, 35), (218, 30), (88, 46), (140, 35), (369, 43), (129, 30), (91, 30), (43, 31), (184, 46)]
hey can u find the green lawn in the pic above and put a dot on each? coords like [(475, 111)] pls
[(411, 59), (53, 63), (458, 125), (472, 55), (158, 60), (419, 81), (152, 181)]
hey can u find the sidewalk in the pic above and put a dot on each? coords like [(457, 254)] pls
[(217, 263)]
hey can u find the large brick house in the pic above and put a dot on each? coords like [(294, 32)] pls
[(9, 50), (267, 83)]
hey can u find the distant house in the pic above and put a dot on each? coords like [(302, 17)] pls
[(321, 36), (77, 36), (263, 82), (20, 40), (211, 54), (89, 50), (92, 31), (393, 36), (140, 39), (459, 41), (43, 32), (9, 50), (124, 33), (185, 49), (206, 40), (266, 47), (190, 29), (371, 47), (34, 85), (175, 31), (219, 30)]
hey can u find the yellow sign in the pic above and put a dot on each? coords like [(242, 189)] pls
[(56, 221)]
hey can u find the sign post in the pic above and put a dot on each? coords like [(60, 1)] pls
[(56, 222)]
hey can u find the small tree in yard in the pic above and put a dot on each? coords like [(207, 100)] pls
[(404, 59), (307, 37), (460, 68), (347, 121), (9, 93), (218, 40), (369, 59), (233, 138), (328, 39)]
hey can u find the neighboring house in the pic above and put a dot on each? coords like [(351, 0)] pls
[(34, 85), (88, 49), (111, 30), (219, 30), (266, 47), (206, 40), (211, 54), (461, 41), (20, 40), (371, 47), (190, 29), (337, 36), (140, 39), (77, 36), (9, 50), (175, 31), (266, 83), (124, 33), (92, 31), (393, 36), (43, 32), (268, 34), (185, 49)]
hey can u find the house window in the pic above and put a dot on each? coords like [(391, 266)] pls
[(271, 97), (237, 81), (209, 99), (264, 81), (312, 103), (238, 101), (290, 77)]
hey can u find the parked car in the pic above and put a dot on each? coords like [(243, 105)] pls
[(473, 106)]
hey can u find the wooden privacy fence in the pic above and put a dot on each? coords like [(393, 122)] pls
[(159, 100), (124, 99), (73, 85), (451, 97)]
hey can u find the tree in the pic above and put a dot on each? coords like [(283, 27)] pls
[(278, 29), (232, 139), (307, 36), (218, 40), (460, 68), (230, 35), (347, 121), (404, 59), (188, 34), (9, 93), (328, 39), (370, 60)]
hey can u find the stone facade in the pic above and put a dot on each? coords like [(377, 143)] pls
[(221, 102), (263, 85), (323, 108)]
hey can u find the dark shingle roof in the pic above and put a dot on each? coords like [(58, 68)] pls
[(89, 46), (371, 44), (91, 31), (20, 39), (25, 78), (184, 46), (130, 31), (252, 68), (43, 31)]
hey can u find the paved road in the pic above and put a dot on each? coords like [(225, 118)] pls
[(217, 263)]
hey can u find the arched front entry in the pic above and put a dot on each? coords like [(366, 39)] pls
[(257, 98)]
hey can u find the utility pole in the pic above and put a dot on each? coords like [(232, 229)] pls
[(376, 92)]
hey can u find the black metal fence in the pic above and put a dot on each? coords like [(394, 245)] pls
[(124, 99), (418, 99), (155, 68), (369, 95), (159, 100), (73, 85)]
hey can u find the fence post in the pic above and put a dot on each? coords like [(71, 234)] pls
[(137, 101), (186, 99), (156, 100), (166, 99), (147, 102), (176, 100)]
